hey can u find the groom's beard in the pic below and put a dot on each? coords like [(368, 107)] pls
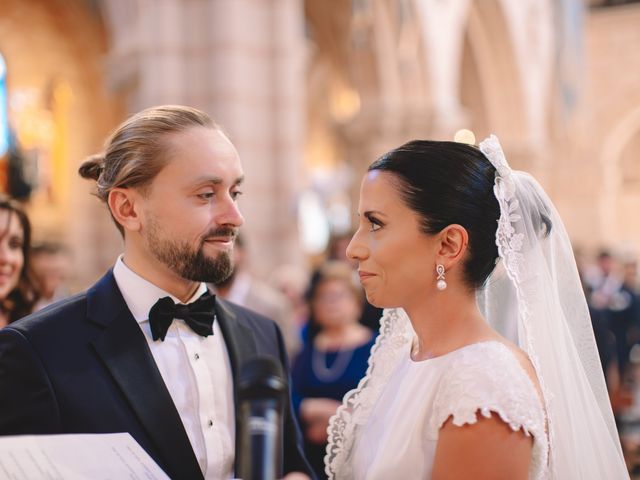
[(187, 262), (227, 282)]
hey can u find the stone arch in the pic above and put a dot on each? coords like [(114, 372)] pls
[(620, 199), (490, 58), (630, 163), (371, 44), (366, 89), (370, 51)]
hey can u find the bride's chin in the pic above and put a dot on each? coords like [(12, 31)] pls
[(375, 301), (370, 298)]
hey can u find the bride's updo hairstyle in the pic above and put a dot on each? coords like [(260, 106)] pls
[(134, 153), (450, 183)]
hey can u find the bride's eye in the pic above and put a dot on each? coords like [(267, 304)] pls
[(374, 223)]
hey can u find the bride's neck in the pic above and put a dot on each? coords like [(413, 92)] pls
[(446, 321)]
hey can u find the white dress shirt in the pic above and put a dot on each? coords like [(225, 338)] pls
[(196, 371)]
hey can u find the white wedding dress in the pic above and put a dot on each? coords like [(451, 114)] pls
[(400, 438), (388, 426)]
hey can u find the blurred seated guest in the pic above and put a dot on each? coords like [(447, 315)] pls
[(243, 289), (51, 267), (337, 247), (18, 293), (623, 317), (606, 343), (292, 280), (603, 280), (334, 359), (630, 275), (370, 316), (337, 250), (605, 340)]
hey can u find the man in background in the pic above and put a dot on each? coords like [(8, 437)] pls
[(244, 289), (51, 267)]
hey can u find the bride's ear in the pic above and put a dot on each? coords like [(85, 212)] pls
[(454, 241)]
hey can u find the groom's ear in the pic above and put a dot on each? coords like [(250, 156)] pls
[(123, 203), (454, 241)]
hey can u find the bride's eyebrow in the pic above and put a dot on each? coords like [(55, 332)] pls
[(370, 213)]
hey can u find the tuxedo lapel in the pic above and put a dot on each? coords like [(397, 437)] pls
[(241, 346), (238, 337), (125, 353)]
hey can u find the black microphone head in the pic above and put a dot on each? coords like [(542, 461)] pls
[(262, 377)]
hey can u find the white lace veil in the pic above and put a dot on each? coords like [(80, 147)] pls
[(535, 298)]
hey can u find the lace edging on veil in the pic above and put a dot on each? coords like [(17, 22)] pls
[(509, 240), (546, 299), (395, 334)]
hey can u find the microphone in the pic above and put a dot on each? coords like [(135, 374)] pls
[(262, 390)]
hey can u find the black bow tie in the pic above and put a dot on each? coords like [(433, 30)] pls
[(199, 315)]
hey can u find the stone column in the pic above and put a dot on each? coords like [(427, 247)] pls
[(256, 93), (242, 62)]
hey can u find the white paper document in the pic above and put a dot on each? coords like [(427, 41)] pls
[(114, 456)]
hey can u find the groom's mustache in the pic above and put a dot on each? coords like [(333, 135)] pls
[(221, 233)]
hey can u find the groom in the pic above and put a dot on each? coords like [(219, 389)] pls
[(147, 350)]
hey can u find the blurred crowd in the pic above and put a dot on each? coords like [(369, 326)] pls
[(612, 288), (329, 327)]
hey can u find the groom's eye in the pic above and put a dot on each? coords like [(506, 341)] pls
[(206, 195)]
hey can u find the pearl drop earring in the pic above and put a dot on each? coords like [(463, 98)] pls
[(440, 284)]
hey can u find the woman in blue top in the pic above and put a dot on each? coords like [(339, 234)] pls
[(333, 359)]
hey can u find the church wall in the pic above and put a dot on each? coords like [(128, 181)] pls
[(611, 121), (62, 111)]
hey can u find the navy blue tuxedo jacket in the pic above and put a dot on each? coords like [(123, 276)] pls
[(83, 365)]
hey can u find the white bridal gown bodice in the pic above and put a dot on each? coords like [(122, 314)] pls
[(400, 438)]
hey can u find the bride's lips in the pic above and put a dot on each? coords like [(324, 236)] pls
[(365, 275)]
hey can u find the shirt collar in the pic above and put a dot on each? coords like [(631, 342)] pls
[(140, 294)]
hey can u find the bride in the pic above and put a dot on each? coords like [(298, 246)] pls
[(486, 366)]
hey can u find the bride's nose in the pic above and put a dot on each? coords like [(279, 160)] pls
[(357, 249)]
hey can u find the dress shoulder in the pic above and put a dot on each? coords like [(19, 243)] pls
[(487, 377)]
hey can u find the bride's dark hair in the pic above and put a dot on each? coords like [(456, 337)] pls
[(447, 183)]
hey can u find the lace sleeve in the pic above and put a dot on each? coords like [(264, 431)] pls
[(485, 379)]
